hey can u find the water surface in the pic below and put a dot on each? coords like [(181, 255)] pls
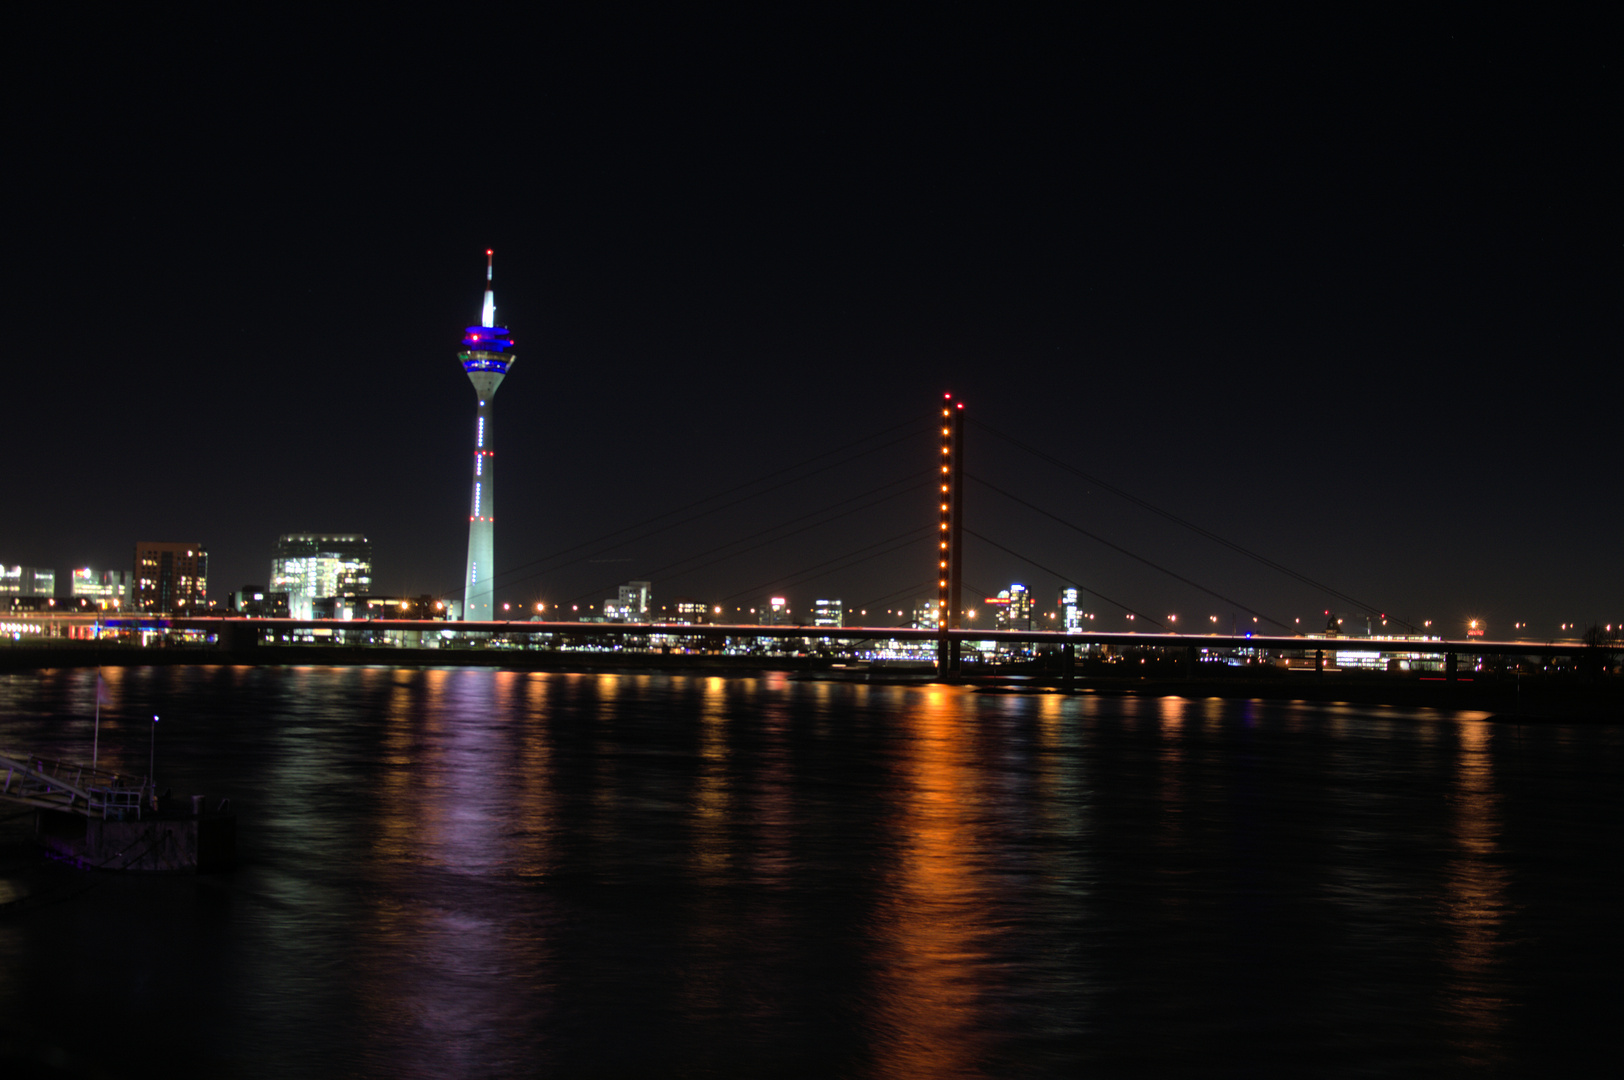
[(470, 872)]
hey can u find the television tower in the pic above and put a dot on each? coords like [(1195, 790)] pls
[(486, 360)]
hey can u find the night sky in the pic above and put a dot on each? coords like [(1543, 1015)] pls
[(1344, 292)]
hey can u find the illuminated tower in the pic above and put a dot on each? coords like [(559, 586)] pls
[(486, 359)]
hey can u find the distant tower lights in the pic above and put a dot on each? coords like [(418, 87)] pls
[(486, 359), (949, 575)]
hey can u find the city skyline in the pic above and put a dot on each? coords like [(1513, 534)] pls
[(1350, 306)]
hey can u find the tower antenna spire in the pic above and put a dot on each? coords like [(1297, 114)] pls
[(487, 314)]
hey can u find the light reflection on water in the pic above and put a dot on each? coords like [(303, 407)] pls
[(1475, 897), (477, 872)]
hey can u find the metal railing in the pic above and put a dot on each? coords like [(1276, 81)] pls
[(52, 784)]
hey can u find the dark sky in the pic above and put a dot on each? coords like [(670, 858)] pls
[(1342, 291)]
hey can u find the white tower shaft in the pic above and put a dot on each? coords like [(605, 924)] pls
[(486, 362)]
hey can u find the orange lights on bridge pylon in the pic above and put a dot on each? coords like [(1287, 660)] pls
[(950, 508)]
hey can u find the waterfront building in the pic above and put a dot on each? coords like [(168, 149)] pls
[(422, 606), (486, 359), (257, 602), (109, 589), (170, 577), (312, 566), (630, 604), (362, 608), (926, 614), (27, 581), (828, 613), (687, 611), (76, 605)]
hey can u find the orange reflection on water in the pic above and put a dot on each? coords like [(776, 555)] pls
[(1475, 896), (935, 925), (1170, 716), (713, 798), (772, 800)]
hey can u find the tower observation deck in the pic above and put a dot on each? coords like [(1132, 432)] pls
[(486, 359)]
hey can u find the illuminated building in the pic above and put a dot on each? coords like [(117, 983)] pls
[(687, 611), (82, 605), (362, 608), (925, 614), (486, 359), (630, 604), (1071, 615), (27, 581), (170, 577), (256, 603), (109, 591), (1012, 608), (312, 566), (775, 612), (828, 613)]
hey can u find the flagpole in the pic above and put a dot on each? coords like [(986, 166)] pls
[(95, 738)]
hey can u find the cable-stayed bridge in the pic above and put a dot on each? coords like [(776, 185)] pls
[(853, 527), (873, 523)]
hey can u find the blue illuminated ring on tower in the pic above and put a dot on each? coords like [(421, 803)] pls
[(484, 361), (487, 339)]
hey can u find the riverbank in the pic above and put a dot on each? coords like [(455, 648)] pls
[(1566, 697)]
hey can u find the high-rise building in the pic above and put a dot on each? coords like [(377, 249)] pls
[(171, 577), (775, 612), (1012, 608), (1071, 614), (828, 613), (27, 581), (486, 359), (312, 566)]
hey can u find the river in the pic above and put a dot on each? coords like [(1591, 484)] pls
[(454, 872)]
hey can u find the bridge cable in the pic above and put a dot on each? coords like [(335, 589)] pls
[(1129, 554), (710, 498), (923, 585), (822, 515), (1240, 549), (743, 499), (808, 574), (1065, 577)]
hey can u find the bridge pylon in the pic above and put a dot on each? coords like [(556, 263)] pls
[(949, 563)]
